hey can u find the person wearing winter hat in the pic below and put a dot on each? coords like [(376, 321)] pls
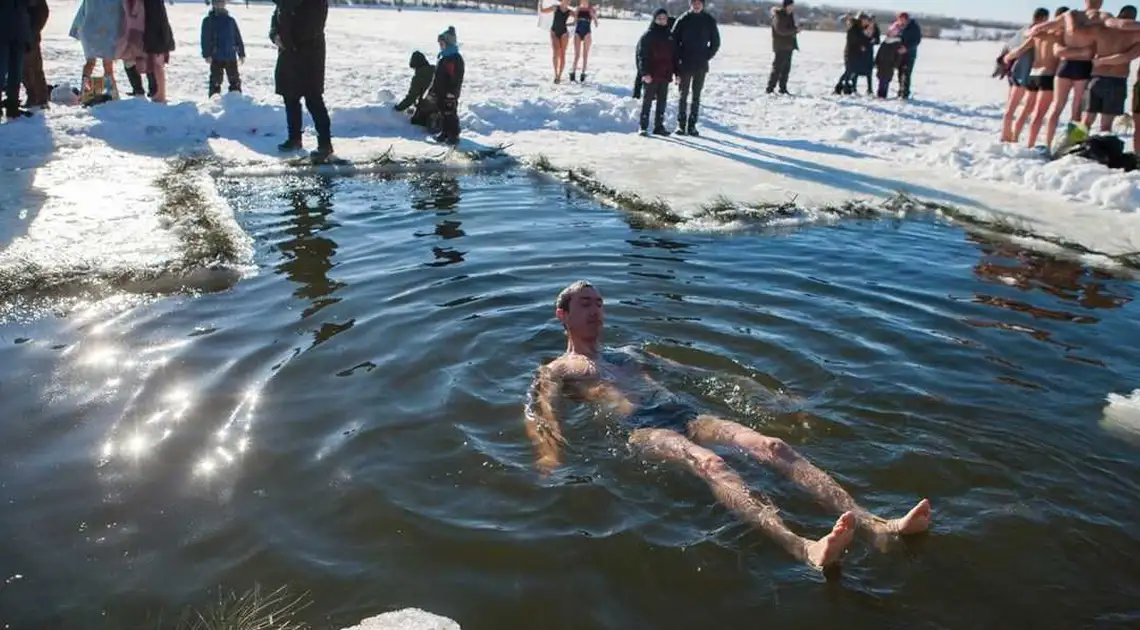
[(446, 86), (424, 108), (298, 30), (657, 65), (222, 48)]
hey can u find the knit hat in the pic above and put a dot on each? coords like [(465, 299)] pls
[(449, 37), (659, 12)]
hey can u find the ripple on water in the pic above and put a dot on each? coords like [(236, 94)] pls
[(349, 418)]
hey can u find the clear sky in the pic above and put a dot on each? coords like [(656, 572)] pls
[(1010, 10)]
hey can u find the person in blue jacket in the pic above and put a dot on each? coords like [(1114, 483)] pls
[(222, 47), (911, 36)]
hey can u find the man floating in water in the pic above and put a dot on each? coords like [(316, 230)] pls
[(666, 429)]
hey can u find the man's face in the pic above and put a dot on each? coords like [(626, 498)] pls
[(789, 8), (904, 20), (662, 19), (585, 314), (696, 5), (1094, 5)]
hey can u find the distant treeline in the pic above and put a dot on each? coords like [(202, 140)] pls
[(746, 13)]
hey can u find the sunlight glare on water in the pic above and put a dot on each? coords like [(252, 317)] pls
[(382, 354)]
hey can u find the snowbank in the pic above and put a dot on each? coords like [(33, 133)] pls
[(406, 619)]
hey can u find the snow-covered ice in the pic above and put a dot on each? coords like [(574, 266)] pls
[(407, 619), (78, 192), (1122, 416)]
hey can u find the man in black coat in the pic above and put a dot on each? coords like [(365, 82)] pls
[(15, 38), (298, 30), (698, 39), (784, 43)]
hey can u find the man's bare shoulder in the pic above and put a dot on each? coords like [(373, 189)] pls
[(567, 366)]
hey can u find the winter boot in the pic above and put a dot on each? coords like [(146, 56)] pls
[(682, 126), (12, 109), (582, 79), (324, 150), (290, 145), (644, 132), (572, 75), (660, 130), (691, 130)]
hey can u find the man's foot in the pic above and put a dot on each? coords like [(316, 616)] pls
[(289, 146), (660, 131), (692, 131), (644, 132), (915, 521), (582, 79), (573, 76), (680, 130), (827, 550), (322, 153)]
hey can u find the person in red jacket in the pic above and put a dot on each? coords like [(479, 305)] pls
[(656, 65)]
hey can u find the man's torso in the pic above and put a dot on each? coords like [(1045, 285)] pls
[(1111, 41)]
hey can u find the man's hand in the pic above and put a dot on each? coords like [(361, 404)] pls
[(647, 79), (241, 60), (546, 464)]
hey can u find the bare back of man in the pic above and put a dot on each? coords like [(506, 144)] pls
[(1108, 89), (664, 428)]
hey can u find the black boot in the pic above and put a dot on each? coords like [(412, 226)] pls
[(290, 145), (682, 127), (324, 149), (660, 130), (691, 130), (582, 78), (12, 109)]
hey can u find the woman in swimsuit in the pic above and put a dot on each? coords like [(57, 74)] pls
[(584, 18), (559, 33)]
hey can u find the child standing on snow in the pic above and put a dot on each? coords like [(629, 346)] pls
[(446, 84), (656, 65), (222, 47)]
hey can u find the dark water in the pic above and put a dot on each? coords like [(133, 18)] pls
[(348, 421)]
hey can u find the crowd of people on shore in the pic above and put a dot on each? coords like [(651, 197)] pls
[(1083, 53)]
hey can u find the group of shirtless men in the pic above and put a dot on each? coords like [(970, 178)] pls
[(1083, 53)]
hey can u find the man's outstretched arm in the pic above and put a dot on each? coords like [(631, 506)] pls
[(541, 419)]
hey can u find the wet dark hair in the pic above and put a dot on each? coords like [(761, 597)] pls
[(1127, 12), (1060, 11), (1040, 14), (563, 301)]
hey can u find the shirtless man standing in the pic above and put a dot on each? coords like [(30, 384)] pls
[(1041, 79), (1029, 88), (666, 429), (1079, 34), (1115, 50)]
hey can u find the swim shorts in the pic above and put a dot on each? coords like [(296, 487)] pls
[(1106, 95), (1136, 99), (671, 415), (1075, 70), (1040, 83)]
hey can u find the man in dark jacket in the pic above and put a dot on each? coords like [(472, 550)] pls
[(35, 84), (911, 37), (447, 84), (222, 47), (698, 40), (784, 43), (656, 66), (637, 85), (298, 29), (15, 38), (421, 82)]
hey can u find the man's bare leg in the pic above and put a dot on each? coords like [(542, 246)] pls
[(1026, 111), (776, 452), (1060, 99), (1044, 102), (732, 492)]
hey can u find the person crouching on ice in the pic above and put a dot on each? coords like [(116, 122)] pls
[(222, 48), (446, 85), (424, 111), (656, 65)]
